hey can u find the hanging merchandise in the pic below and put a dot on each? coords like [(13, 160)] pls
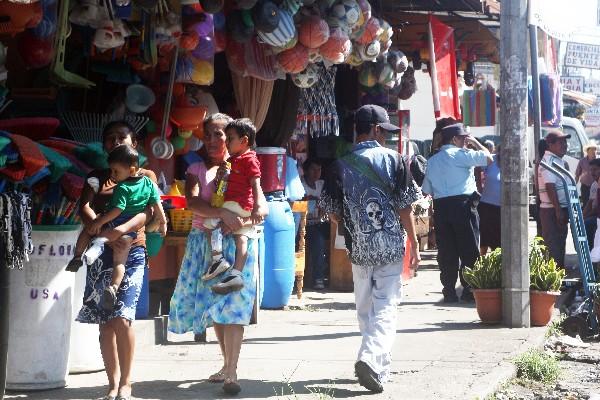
[(293, 60), (313, 32), (283, 34), (408, 84), (266, 16), (15, 229), (370, 31), (479, 107), (337, 48), (551, 99), (369, 51), (36, 52), (306, 78), (398, 61), (317, 114), (260, 62), (344, 14)]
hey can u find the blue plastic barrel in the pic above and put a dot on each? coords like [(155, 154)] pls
[(261, 263), (143, 306), (279, 254)]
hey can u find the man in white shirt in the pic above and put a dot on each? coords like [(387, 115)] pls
[(590, 211), (554, 216)]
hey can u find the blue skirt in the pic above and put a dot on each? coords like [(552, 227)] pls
[(194, 306), (99, 276)]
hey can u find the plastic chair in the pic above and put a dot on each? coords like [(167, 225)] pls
[(59, 73)]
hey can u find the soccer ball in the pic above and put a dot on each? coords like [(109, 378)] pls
[(345, 14), (369, 51), (314, 56), (306, 78)]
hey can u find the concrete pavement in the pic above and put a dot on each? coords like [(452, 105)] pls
[(308, 351)]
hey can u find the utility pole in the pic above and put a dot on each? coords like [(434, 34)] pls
[(513, 128)]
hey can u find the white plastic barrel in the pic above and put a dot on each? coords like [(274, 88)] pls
[(41, 311), (84, 354)]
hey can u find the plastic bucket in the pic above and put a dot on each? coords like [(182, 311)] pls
[(272, 168), (41, 305), (84, 354), (280, 262)]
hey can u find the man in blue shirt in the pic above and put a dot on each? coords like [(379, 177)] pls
[(371, 191), (449, 178)]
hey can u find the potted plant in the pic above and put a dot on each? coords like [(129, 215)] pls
[(485, 278), (545, 281)]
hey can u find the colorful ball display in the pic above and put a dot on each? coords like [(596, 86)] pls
[(369, 51), (203, 72), (344, 14), (367, 76), (306, 78), (292, 6), (313, 32), (205, 50), (189, 40), (354, 58), (314, 55), (386, 31), (293, 60), (337, 48), (266, 16), (283, 34), (397, 61), (371, 31), (365, 12)]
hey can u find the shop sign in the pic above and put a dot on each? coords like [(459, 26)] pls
[(567, 21), (592, 114), (592, 86), (575, 83), (582, 55)]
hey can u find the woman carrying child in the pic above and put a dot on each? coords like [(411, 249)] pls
[(194, 306), (117, 339)]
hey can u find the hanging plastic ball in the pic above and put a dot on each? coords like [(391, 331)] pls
[(189, 40), (185, 133), (203, 72), (371, 31), (205, 27), (205, 50), (178, 142), (306, 78), (344, 14)]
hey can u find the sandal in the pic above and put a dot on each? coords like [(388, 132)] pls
[(231, 386), (217, 377)]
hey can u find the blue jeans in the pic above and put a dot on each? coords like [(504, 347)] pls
[(316, 235)]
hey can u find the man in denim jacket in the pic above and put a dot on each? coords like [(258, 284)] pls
[(370, 192)]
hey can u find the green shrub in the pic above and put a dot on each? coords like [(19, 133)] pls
[(487, 271), (544, 273), (537, 366)]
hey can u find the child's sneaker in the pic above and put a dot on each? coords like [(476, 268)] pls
[(109, 298), (94, 250), (74, 264), (231, 283), (217, 268)]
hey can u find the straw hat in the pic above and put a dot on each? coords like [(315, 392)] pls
[(590, 145)]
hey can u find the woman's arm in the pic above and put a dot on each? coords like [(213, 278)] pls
[(86, 213)]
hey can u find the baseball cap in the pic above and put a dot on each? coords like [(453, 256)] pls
[(453, 130), (375, 115), (553, 136)]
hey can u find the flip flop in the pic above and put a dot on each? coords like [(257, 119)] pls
[(217, 377), (231, 386)]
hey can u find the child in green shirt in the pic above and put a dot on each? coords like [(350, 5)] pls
[(131, 196)]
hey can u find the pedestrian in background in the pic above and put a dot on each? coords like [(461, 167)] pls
[(554, 216), (317, 231), (590, 210), (489, 206), (582, 172), (371, 191), (449, 178)]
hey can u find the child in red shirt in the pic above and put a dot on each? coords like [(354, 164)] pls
[(241, 197)]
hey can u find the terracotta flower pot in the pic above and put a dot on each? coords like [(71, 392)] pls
[(541, 306), (489, 305)]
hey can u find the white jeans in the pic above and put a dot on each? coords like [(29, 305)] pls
[(376, 292)]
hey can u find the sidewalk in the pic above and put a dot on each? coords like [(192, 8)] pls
[(441, 352)]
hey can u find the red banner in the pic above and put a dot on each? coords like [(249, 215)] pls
[(446, 74)]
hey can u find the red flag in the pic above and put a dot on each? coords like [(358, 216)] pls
[(444, 72)]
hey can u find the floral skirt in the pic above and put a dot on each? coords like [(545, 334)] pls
[(194, 306), (99, 276)]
